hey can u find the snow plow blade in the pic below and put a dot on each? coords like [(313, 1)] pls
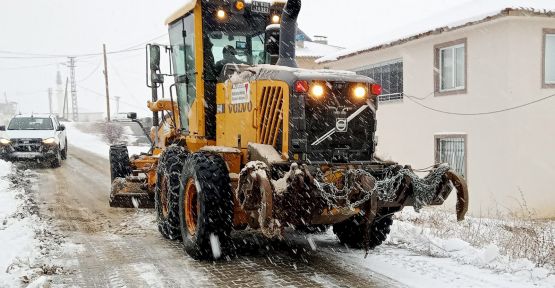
[(126, 194)]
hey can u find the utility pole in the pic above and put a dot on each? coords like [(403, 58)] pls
[(74, 107), (65, 109), (50, 100), (106, 81)]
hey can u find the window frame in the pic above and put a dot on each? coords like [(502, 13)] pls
[(546, 32), (464, 136), (438, 63), (392, 97)]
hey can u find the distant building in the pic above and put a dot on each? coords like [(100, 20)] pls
[(478, 94), (309, 50)]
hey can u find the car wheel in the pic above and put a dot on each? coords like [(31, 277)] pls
[(57, 160), (64, 152)]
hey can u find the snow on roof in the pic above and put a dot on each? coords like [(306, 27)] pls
[(466, 14), (316, 50)]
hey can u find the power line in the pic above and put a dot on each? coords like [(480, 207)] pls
[(99, 95), (90, 74), (26, 55), (29, 66), (478, 113)]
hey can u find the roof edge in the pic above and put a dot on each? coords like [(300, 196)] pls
[(186, 8), (503, 13)]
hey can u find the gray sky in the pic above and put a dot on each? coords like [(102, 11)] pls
[(76, 27)]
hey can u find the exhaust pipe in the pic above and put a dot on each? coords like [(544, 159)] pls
[(288, 33)]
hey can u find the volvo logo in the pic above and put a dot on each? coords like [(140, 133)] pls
[(341, 124)]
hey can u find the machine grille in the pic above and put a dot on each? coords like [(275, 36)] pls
[(270, 115)]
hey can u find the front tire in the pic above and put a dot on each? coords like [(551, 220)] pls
[(205, 207), (57, 160), (120, 166), (167, 189), (64, 152), (351, 232)]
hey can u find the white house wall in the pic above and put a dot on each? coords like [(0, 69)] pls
[(508, 153)]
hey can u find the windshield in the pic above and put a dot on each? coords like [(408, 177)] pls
[(237, 48), (30, 123), (239, 39)]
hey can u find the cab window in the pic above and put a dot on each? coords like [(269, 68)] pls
[(183, 57)]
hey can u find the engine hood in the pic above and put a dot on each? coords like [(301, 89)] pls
[(18, 134)]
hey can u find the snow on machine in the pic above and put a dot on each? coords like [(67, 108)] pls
[(248, 139)]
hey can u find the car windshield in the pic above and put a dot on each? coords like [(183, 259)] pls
[(30, 123)]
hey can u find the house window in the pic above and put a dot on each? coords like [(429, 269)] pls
[(450, 63), (549, 58), (390, 76), (451, 149)]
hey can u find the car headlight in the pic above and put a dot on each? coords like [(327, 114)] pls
[(5, 141), (50, 141)]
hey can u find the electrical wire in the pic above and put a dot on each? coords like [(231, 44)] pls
[(25, 55), (477, 113), (29, 66), (90, 74), (99, 95)]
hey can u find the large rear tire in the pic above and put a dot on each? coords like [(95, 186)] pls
[(351, 232), (120, 166), (206, 207), (167, 189)]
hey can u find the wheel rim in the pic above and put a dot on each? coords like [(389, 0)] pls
[(164, 197), (192, 208)]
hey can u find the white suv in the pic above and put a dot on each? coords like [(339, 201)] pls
[(32, 137)]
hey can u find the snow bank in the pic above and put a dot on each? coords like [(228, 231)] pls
[(16, 231), (94, 142), (438, 235)]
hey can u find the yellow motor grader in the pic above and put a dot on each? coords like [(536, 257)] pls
[(248, 139)]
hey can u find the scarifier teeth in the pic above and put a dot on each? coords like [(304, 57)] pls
[(143, 200)]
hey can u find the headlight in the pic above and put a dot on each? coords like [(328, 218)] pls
[(317, 90), (221, 14), (50, 141), (276, 18), (5, 141), (360, 92)]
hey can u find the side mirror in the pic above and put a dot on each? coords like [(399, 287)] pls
[(154, 57), (155, 76), (2, 128), (132, 115), (62, 127)]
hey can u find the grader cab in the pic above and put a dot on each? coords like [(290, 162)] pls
[(247, 139)]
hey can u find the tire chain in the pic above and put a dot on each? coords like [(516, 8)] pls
[(424, 189)]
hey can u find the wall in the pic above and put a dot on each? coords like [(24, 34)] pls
[(509, 154)]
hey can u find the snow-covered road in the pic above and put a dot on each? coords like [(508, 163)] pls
[(121, 247), (77, 240)]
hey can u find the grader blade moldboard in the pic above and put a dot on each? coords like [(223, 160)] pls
[(130, 195)]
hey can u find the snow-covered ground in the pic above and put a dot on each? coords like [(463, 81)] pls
[(28, 244), (16, 229), (423, 250), (95, 142)]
